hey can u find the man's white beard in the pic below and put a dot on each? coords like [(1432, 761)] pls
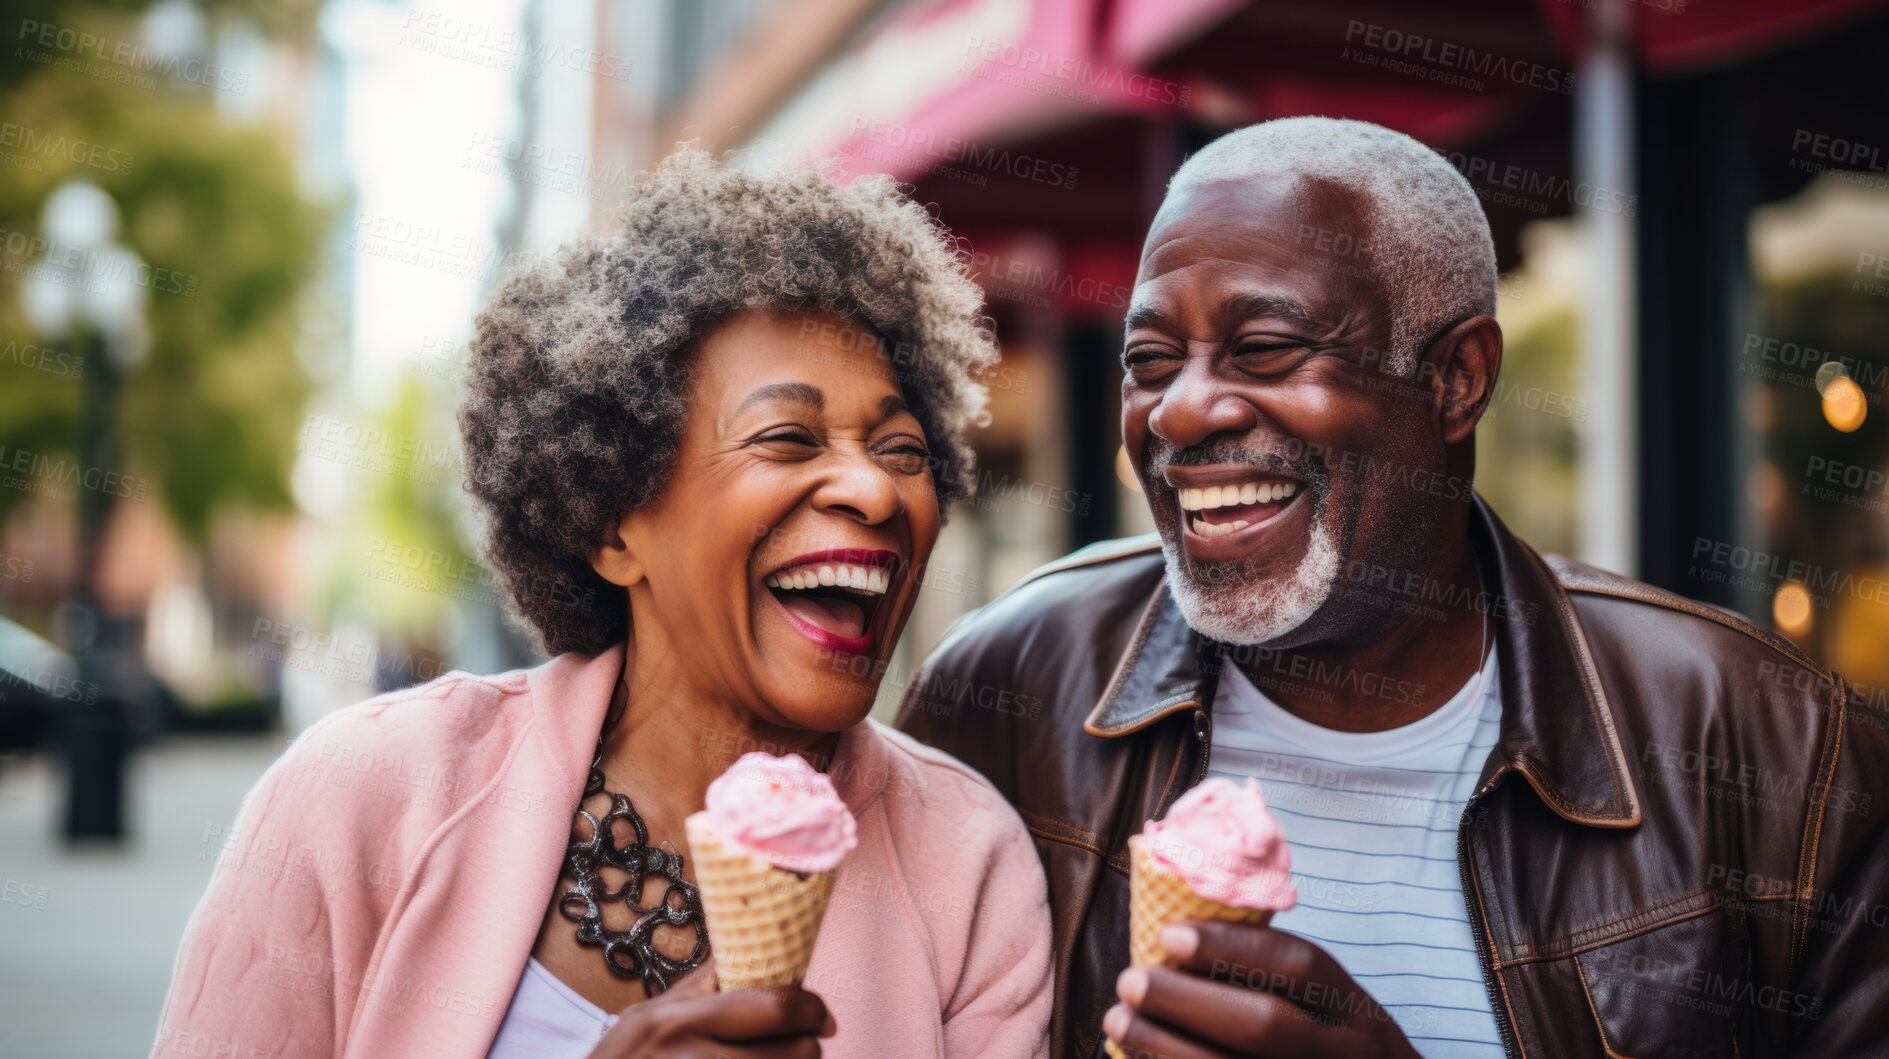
[(1247, 609)]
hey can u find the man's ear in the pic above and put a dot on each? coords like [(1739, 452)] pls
[(1468, 357), (616, 560)]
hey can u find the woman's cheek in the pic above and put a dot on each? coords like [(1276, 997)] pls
[(921, 506)]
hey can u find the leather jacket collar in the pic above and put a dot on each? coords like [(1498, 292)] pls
[(1553, 706)]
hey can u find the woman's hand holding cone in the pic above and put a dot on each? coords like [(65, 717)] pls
[(692, 1019)]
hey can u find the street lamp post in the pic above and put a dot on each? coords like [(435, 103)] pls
[(87, 291)]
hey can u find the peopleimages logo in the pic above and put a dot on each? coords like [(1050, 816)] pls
[(46, 470), (1781, 360), (916, 145), (502, 47), (1507, 184), (1074, 72), (1760, 570), (1033, 278), (89, 267), (53, 145), (1405, 49), (39, 358), (124, 55), (1839, 151)]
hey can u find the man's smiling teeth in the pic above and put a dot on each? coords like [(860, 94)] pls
[(1213, 496), (869, 580), (1208, 529), (1206, 498)]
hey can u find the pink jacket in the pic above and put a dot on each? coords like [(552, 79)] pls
[(386, 879)]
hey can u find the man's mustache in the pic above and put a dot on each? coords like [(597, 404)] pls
[(1278, 459)]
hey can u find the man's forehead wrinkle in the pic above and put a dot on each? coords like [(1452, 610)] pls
[(1230, 297), (1245, 306), (1211, 246), (1220, 252)]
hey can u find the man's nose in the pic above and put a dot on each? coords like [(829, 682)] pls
[(1198, 404)]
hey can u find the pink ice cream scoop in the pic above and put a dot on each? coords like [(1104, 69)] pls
[(1225, 843), (781, 810)]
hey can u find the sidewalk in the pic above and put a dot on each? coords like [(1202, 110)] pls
[(87, 937)]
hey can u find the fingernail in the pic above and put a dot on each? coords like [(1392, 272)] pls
[(831, 1027), (1115, 1023), (1131, 985), (1180, 942)]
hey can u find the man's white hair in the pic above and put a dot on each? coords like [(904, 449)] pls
[(1430, 245)]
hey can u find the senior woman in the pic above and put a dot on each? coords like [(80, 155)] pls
[(713, 451)]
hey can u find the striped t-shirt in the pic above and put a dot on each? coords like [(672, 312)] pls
[(1371, 819)]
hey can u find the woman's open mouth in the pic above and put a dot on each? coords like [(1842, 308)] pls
[(832, 597)]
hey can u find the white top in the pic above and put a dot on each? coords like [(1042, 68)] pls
[(549, 1020), (1371, 820)]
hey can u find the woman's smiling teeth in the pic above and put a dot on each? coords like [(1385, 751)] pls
[(831, 601), (1249, 498), (863, 580)]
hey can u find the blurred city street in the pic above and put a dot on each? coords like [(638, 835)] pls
[(243, 245), (90, 934)]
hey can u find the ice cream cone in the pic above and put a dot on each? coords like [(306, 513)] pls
[(1217, 856), (762, 920), (1158, 897)]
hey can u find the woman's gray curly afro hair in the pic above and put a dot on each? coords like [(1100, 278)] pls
[(580, 367)]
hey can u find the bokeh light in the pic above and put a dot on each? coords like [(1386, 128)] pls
[(1791, 609), (1844, 404), (1125, 470)]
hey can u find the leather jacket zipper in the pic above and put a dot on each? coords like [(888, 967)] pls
[(1203, 731), (1472, 893)]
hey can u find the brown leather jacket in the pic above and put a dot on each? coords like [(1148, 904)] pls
[(1677, 847)]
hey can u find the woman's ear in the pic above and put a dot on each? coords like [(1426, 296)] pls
[(616, 560)]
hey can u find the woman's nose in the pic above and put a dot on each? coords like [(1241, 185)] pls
[(1197, 404), (860, 489)]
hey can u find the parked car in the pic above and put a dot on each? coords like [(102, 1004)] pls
[(36, 680)]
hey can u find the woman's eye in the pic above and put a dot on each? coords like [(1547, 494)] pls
[(788, 439), (906, 459)]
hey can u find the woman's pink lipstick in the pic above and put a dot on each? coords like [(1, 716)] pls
[(832, 641)]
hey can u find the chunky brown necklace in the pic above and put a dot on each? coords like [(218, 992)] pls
[(628, 953)]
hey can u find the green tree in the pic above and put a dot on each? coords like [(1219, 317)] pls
[(211, 415)]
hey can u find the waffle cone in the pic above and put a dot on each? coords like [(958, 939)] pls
[(1159, 897), (762, 921)]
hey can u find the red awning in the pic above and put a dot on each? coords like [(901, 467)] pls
[(1058, 128), (1141, 31), (1073, 61)]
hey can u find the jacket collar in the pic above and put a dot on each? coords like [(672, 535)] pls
[(571, 696), (1557, 726)]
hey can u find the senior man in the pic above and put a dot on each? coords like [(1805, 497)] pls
[(1533, 808)]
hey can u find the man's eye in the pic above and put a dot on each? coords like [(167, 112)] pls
[(1269, 357), (1270, 348)]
